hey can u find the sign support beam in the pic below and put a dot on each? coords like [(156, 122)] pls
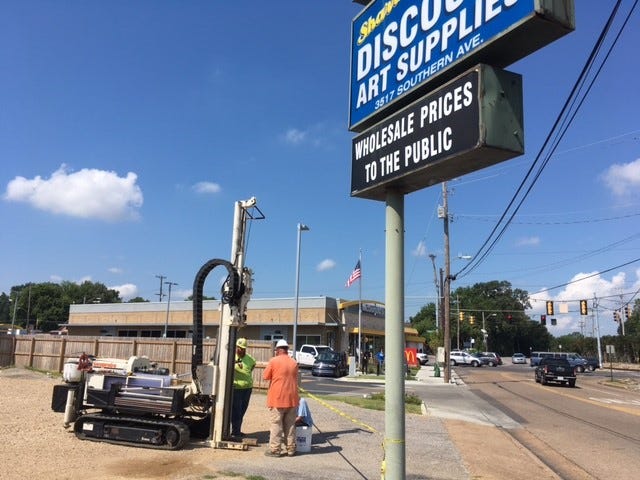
[(394, 438)]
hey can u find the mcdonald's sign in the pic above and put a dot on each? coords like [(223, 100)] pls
[(411, 356)]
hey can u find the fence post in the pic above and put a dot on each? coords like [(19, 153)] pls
[(32, 349), (174, 355), (63, 348)]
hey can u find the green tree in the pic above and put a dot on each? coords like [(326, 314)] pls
[(508, 328), (137, 300), (44, 306), (425, 322)]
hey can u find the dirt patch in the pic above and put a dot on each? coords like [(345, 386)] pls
[(35, 444), (491, 453)]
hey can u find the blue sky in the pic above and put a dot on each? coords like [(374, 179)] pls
[(129, 129)]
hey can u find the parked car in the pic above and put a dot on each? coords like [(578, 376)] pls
[(592, 364), (308, 354), (330, 364), (490, 358), (423, 358), (458, 357), (518, 358), (551, 369)]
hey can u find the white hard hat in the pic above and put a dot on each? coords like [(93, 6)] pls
[(282, 343)]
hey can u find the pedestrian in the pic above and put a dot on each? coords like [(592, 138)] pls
[(242, 386), (380, 361), (365, 362), (282, 401)]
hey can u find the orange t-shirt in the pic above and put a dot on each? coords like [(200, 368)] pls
[(282, 371)]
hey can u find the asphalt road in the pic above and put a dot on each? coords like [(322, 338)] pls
[(588, 432)]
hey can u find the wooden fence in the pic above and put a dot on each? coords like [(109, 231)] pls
[(49, 353)]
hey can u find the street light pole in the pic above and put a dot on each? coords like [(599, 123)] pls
[(301, 228), (166, 322)]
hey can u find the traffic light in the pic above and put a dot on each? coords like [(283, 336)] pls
[(509, 318), (553, 321), (584, 310), (549, 307), (627, 312), (472, 320), (461, 316), (616, 316), (543, 319)]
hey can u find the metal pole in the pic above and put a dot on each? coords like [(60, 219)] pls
[(359, 360), (166, 322), (301, 228), (394, 439)]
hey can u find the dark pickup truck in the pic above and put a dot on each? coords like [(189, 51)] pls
[(555, 370)]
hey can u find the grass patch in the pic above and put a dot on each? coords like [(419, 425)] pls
[(375, 401), (49, 373), (234, 474)]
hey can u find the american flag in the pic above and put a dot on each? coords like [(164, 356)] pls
[(355, 275)]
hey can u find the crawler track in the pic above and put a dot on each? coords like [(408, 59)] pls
[(156, 434)]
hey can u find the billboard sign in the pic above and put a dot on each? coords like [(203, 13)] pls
[(474, 121), (399, 49)]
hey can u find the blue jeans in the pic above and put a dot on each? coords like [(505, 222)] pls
[(239, 407)]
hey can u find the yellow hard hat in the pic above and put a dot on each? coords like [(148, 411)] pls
[(242, 343)]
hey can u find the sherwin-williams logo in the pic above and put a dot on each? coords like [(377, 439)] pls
[(371, 23)]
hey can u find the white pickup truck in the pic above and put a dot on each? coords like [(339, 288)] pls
[(308, 353)]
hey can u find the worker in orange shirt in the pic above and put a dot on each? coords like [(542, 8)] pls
[(282, 401)]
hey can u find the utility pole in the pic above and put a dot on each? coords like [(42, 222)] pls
[(435, 282), (447, 286), (458, 331), (15, 308), (622, 314), (595, 309), (161, 277), (166, 322)]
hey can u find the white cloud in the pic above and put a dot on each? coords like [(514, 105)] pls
[(295, 136), (89, 193), (182, 294), (420, 250), (528, 242), (623, 179), (126, 291), (207, 187), (115, 270), (325, 265)]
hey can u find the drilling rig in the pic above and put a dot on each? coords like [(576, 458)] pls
[(133, 402)]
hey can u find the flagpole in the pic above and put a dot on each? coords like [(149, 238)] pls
[(360, 313)]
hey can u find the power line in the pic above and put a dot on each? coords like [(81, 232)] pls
[(557, 131)]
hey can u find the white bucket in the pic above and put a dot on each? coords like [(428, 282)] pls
[(303, 439), (70, 372)]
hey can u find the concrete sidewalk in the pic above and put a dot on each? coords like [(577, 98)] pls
[(348, 442)]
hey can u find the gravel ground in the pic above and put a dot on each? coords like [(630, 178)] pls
[(35, 445)]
